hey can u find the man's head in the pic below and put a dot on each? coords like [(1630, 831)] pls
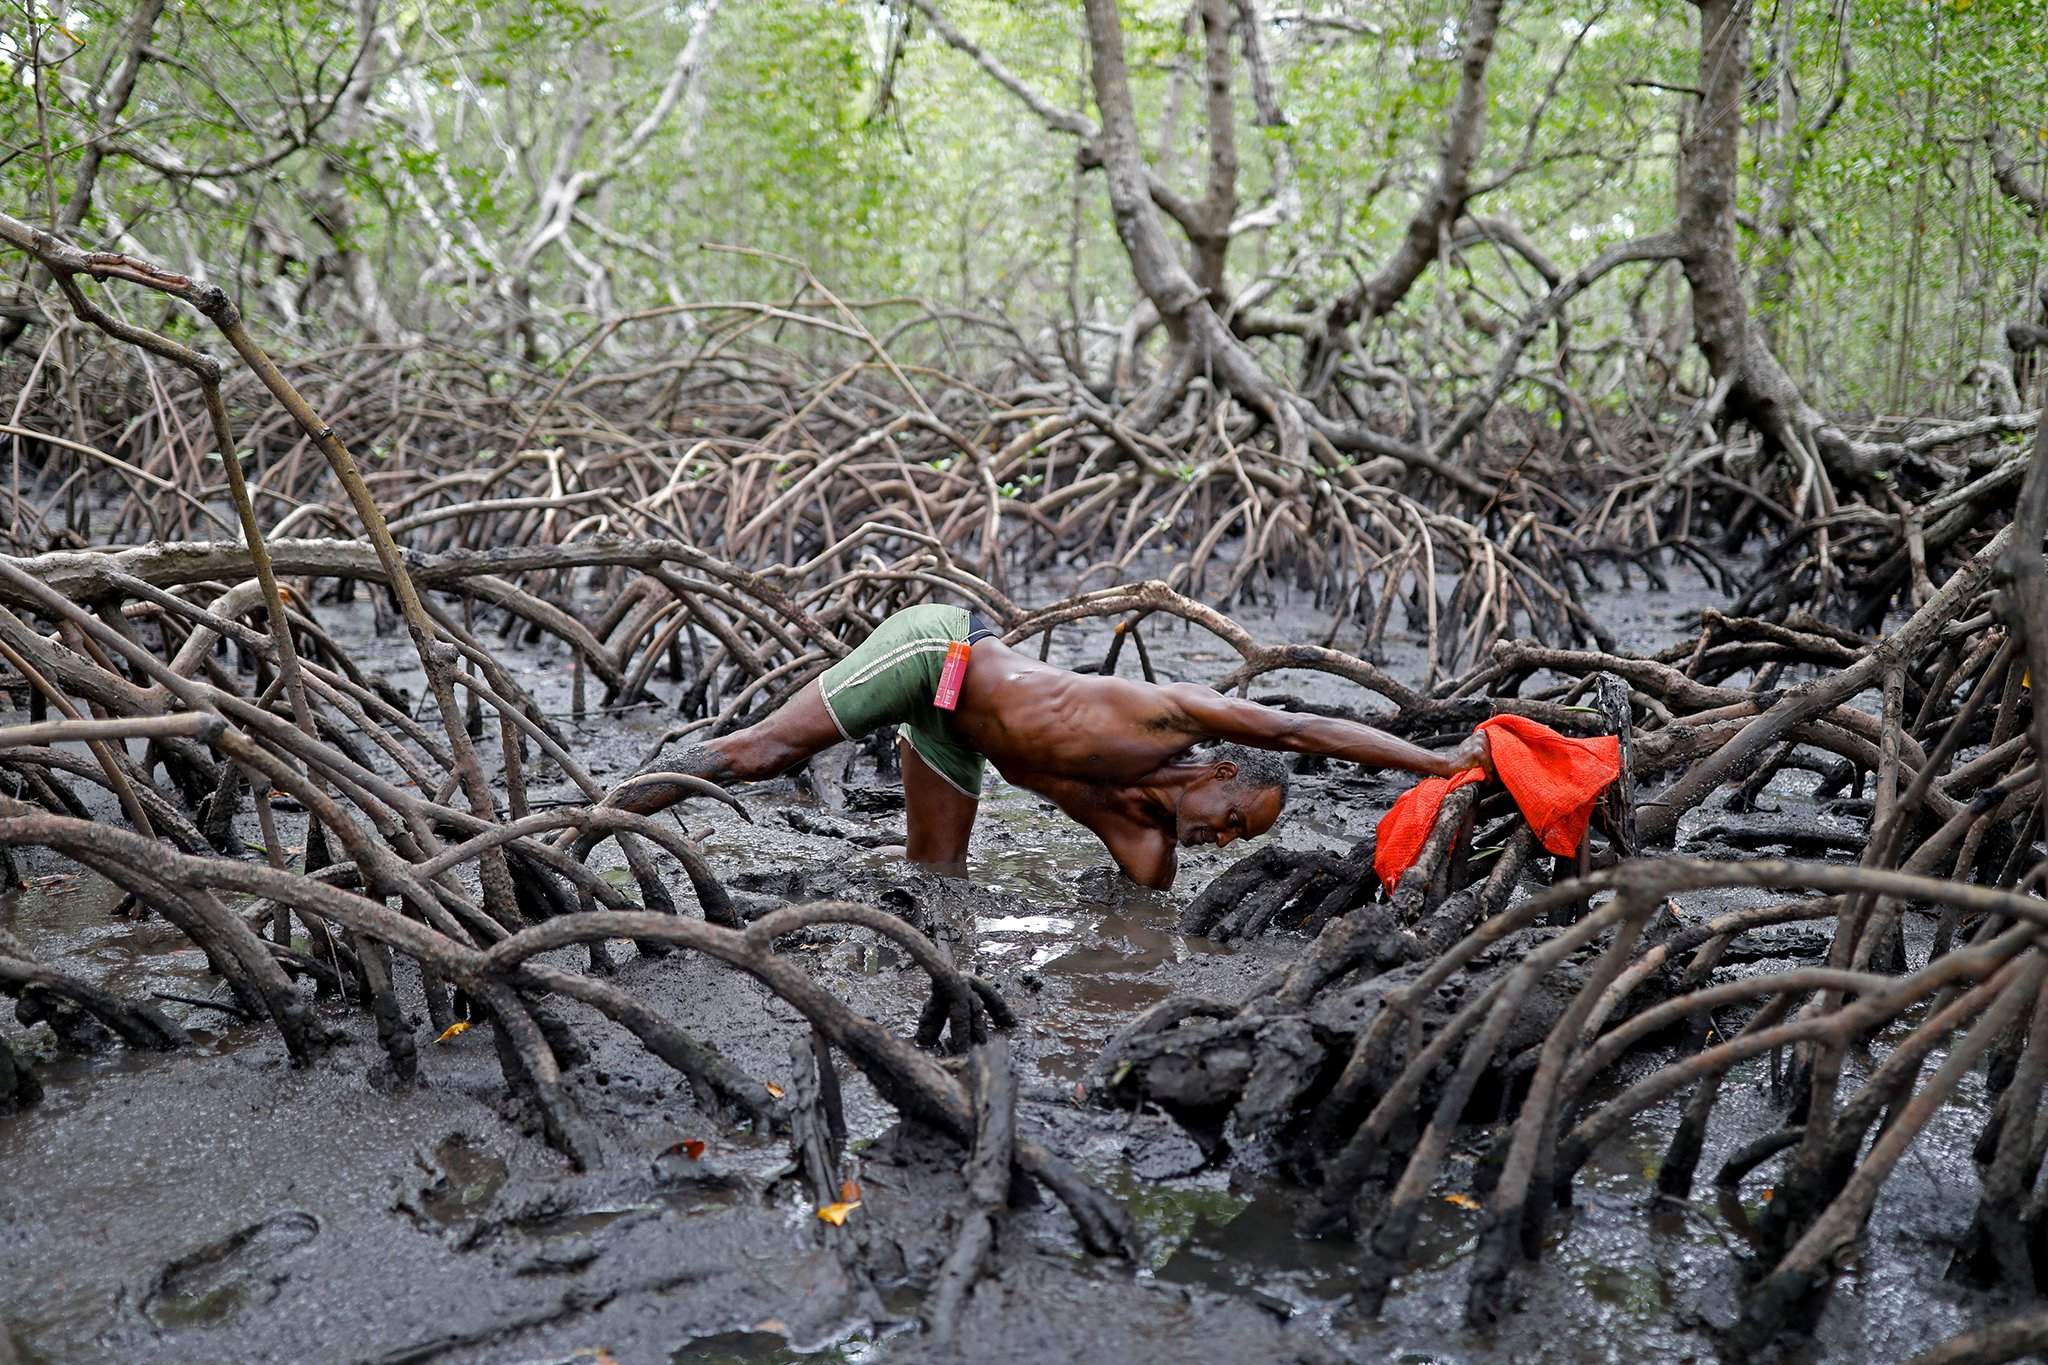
[(1239, 794)]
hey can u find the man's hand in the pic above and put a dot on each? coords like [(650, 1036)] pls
[(1475, 752)]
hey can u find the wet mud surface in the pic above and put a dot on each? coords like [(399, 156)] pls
[(220, 1205)]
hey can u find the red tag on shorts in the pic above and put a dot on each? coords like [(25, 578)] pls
[(952, 675)]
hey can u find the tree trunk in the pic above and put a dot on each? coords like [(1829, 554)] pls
[(1183, 303), (329, 200), (1759, 391), (1445, 200)]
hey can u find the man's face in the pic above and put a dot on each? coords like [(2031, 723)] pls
[(1217, 811)]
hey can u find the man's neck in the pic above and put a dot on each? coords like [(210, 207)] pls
[(1158, 793)]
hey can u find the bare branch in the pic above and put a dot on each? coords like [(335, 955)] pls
[(1446, 199), (1052, 116), (1660, 246), (1179, 207), (2006, 171)]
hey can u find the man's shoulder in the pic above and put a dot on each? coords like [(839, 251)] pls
[(1166, 696)]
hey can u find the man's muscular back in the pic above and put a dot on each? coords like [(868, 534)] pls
[(1039, 723)]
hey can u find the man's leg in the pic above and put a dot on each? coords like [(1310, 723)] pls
[(940, 816), (768, 748)]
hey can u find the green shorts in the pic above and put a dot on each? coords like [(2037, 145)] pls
[(892, 678)]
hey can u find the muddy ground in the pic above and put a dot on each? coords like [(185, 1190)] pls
[(220, 1205)]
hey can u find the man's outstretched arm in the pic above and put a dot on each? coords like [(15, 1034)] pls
[(1263, 727)]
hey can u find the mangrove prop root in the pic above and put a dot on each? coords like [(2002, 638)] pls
[(1404, 1012), (993, 1085), (204, 686)]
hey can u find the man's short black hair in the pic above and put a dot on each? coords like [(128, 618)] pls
[(1257, 769)]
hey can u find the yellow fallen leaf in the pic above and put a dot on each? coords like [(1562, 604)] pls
[(772, 1088), (454, 1030), (1462, 1201), (835, 1214), (1767, 1194)]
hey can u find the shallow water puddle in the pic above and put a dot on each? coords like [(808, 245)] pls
[(470, 1179), (1005, 935), (770, 1348), (70, 918), (1102, 949), (766, 1343)]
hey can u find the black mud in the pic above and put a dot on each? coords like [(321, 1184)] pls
[(219, 1205)]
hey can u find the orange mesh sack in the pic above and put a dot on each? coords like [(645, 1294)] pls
[(1405, 828), (1555, 780)]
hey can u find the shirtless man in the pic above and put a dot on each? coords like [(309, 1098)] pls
[(1113, 754)]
